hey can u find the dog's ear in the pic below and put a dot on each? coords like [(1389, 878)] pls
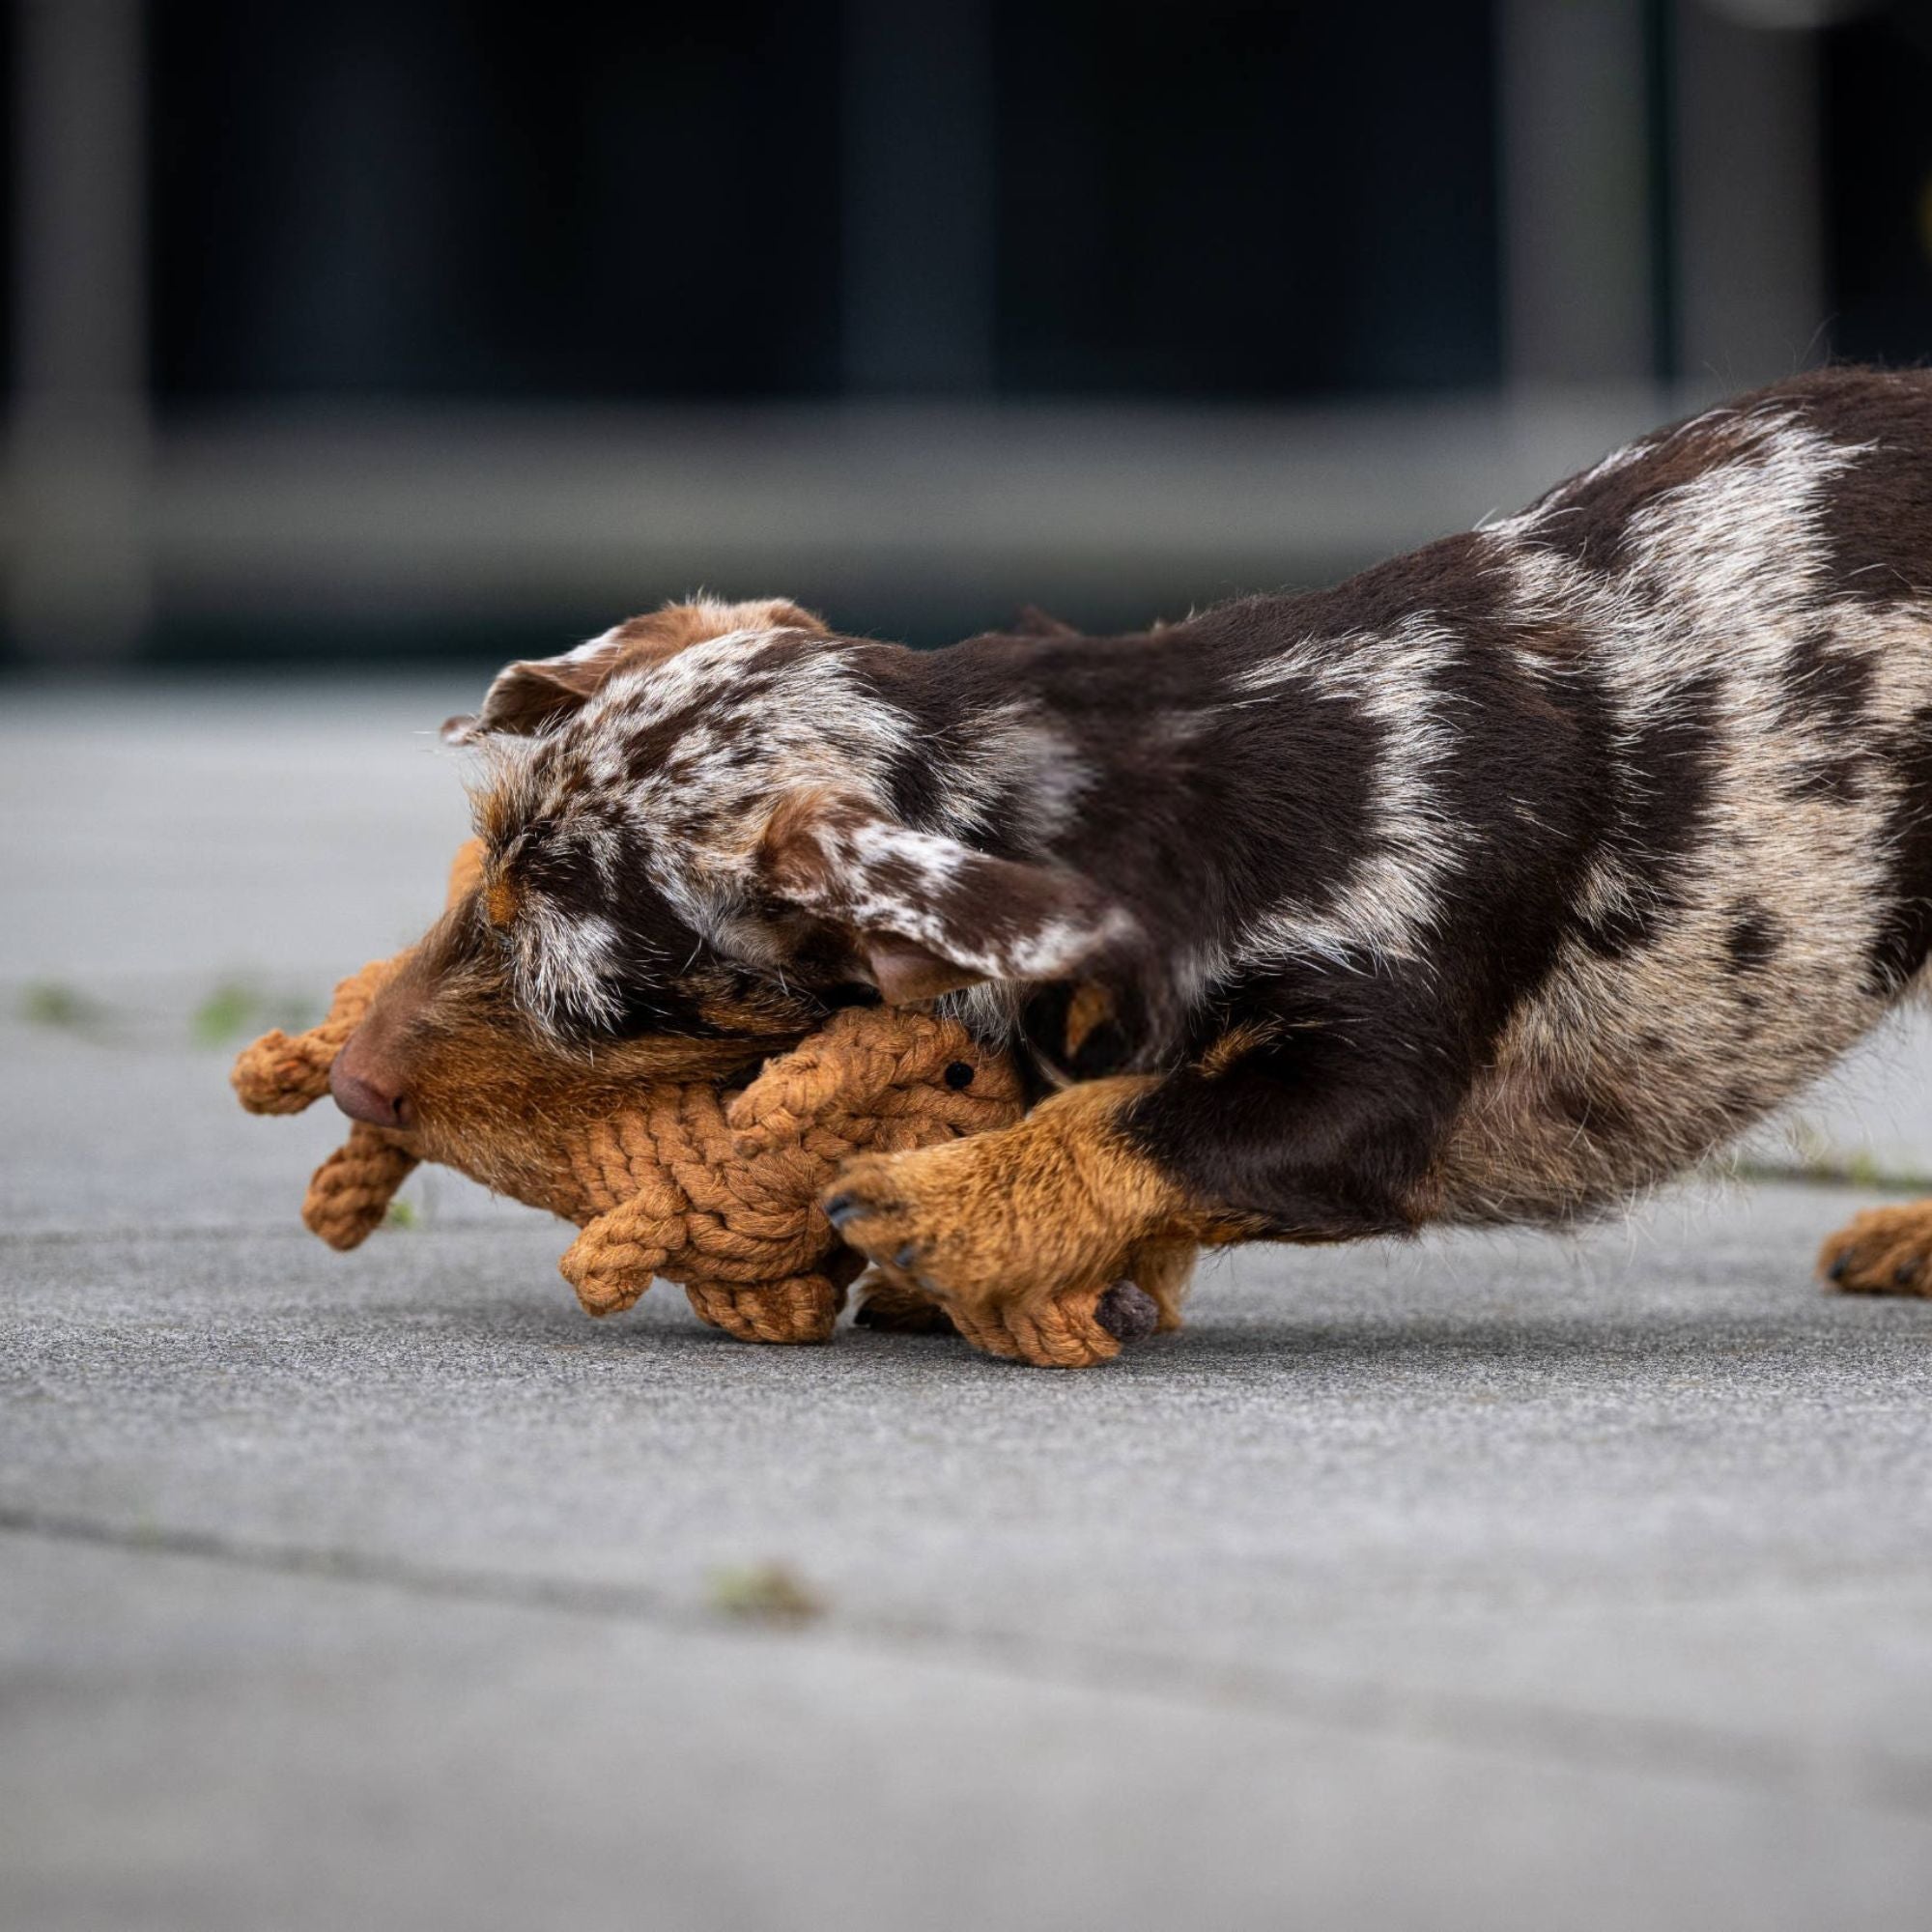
[(925, 915), (533, 694), (527, 697)]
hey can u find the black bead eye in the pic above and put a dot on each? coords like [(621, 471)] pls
[(959, 1075)]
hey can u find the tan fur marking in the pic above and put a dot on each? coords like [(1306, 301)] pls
[(495, 814), (659, 635), (1234, 1046), (1091, 1006), (791, 853), (501, 901)]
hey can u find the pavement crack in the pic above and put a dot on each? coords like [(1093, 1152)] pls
[(1630, 1744)]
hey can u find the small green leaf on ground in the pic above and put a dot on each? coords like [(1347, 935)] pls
[(49, 1003), (763, 1593), (226, 1015), (401, 1214), (1856, 1169)]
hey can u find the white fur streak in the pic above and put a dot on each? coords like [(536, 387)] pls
[(936, 916), (566, 964), (1014, 761), (1722, 572), (1387, 907), (591, 647)]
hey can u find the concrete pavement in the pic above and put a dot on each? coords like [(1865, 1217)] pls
[(1483, 1582)]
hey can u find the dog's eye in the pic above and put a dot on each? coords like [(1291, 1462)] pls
[(658, 1009)]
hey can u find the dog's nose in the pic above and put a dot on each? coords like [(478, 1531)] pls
[(369, 1093)]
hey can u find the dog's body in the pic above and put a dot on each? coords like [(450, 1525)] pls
[(1491, 885)]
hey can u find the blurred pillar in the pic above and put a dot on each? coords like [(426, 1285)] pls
[(1750, 264), (919, 220), (1576, 204), (78, 581)]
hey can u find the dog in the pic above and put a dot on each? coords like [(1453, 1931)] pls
[(1492, 886), (446, 1062)]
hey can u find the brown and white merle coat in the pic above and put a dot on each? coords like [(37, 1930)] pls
[(1491, 885)]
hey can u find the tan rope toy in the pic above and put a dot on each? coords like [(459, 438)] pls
[(715, 1188)]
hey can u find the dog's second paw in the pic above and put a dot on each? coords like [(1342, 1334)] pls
[(938, 1222), (1883, 1251)]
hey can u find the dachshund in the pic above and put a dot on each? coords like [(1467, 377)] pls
[(1493, 885)]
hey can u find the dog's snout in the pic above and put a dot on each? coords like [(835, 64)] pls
[(366, 1088)]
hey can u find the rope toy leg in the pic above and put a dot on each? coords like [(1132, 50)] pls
[(351, 1189)]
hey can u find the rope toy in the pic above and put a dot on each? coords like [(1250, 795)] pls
[(714, 1189)]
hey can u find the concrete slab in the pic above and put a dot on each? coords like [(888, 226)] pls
[(192, 1746)]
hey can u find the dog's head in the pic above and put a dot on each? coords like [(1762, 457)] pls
[(450, 1056), (446, 1059), (731, 790)]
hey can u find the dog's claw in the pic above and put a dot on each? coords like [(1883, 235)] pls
[(906, 1255), (842, 1208), (1840, 1262), (1905, 1275)]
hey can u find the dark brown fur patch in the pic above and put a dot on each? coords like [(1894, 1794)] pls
[(1905, 933), (1753, 939), (1878, 515)]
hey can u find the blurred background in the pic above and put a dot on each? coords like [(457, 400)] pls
[(403, 330)]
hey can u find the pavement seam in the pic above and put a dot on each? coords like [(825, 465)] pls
[(1526, 1732)]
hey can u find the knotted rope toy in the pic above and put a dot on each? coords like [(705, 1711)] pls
[(713, 1188)]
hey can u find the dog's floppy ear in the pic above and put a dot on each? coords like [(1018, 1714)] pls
[(525, 696), (925, 915), (533, 694)]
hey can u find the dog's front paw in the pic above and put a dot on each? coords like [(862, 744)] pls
[(940, 1221), (907, 1216), (1883, 1251)]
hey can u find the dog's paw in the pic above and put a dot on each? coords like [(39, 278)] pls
[(933, 1221), (919, 1219), (1883, 1251)]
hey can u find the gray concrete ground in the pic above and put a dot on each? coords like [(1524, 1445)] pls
[(1479, 1584)]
